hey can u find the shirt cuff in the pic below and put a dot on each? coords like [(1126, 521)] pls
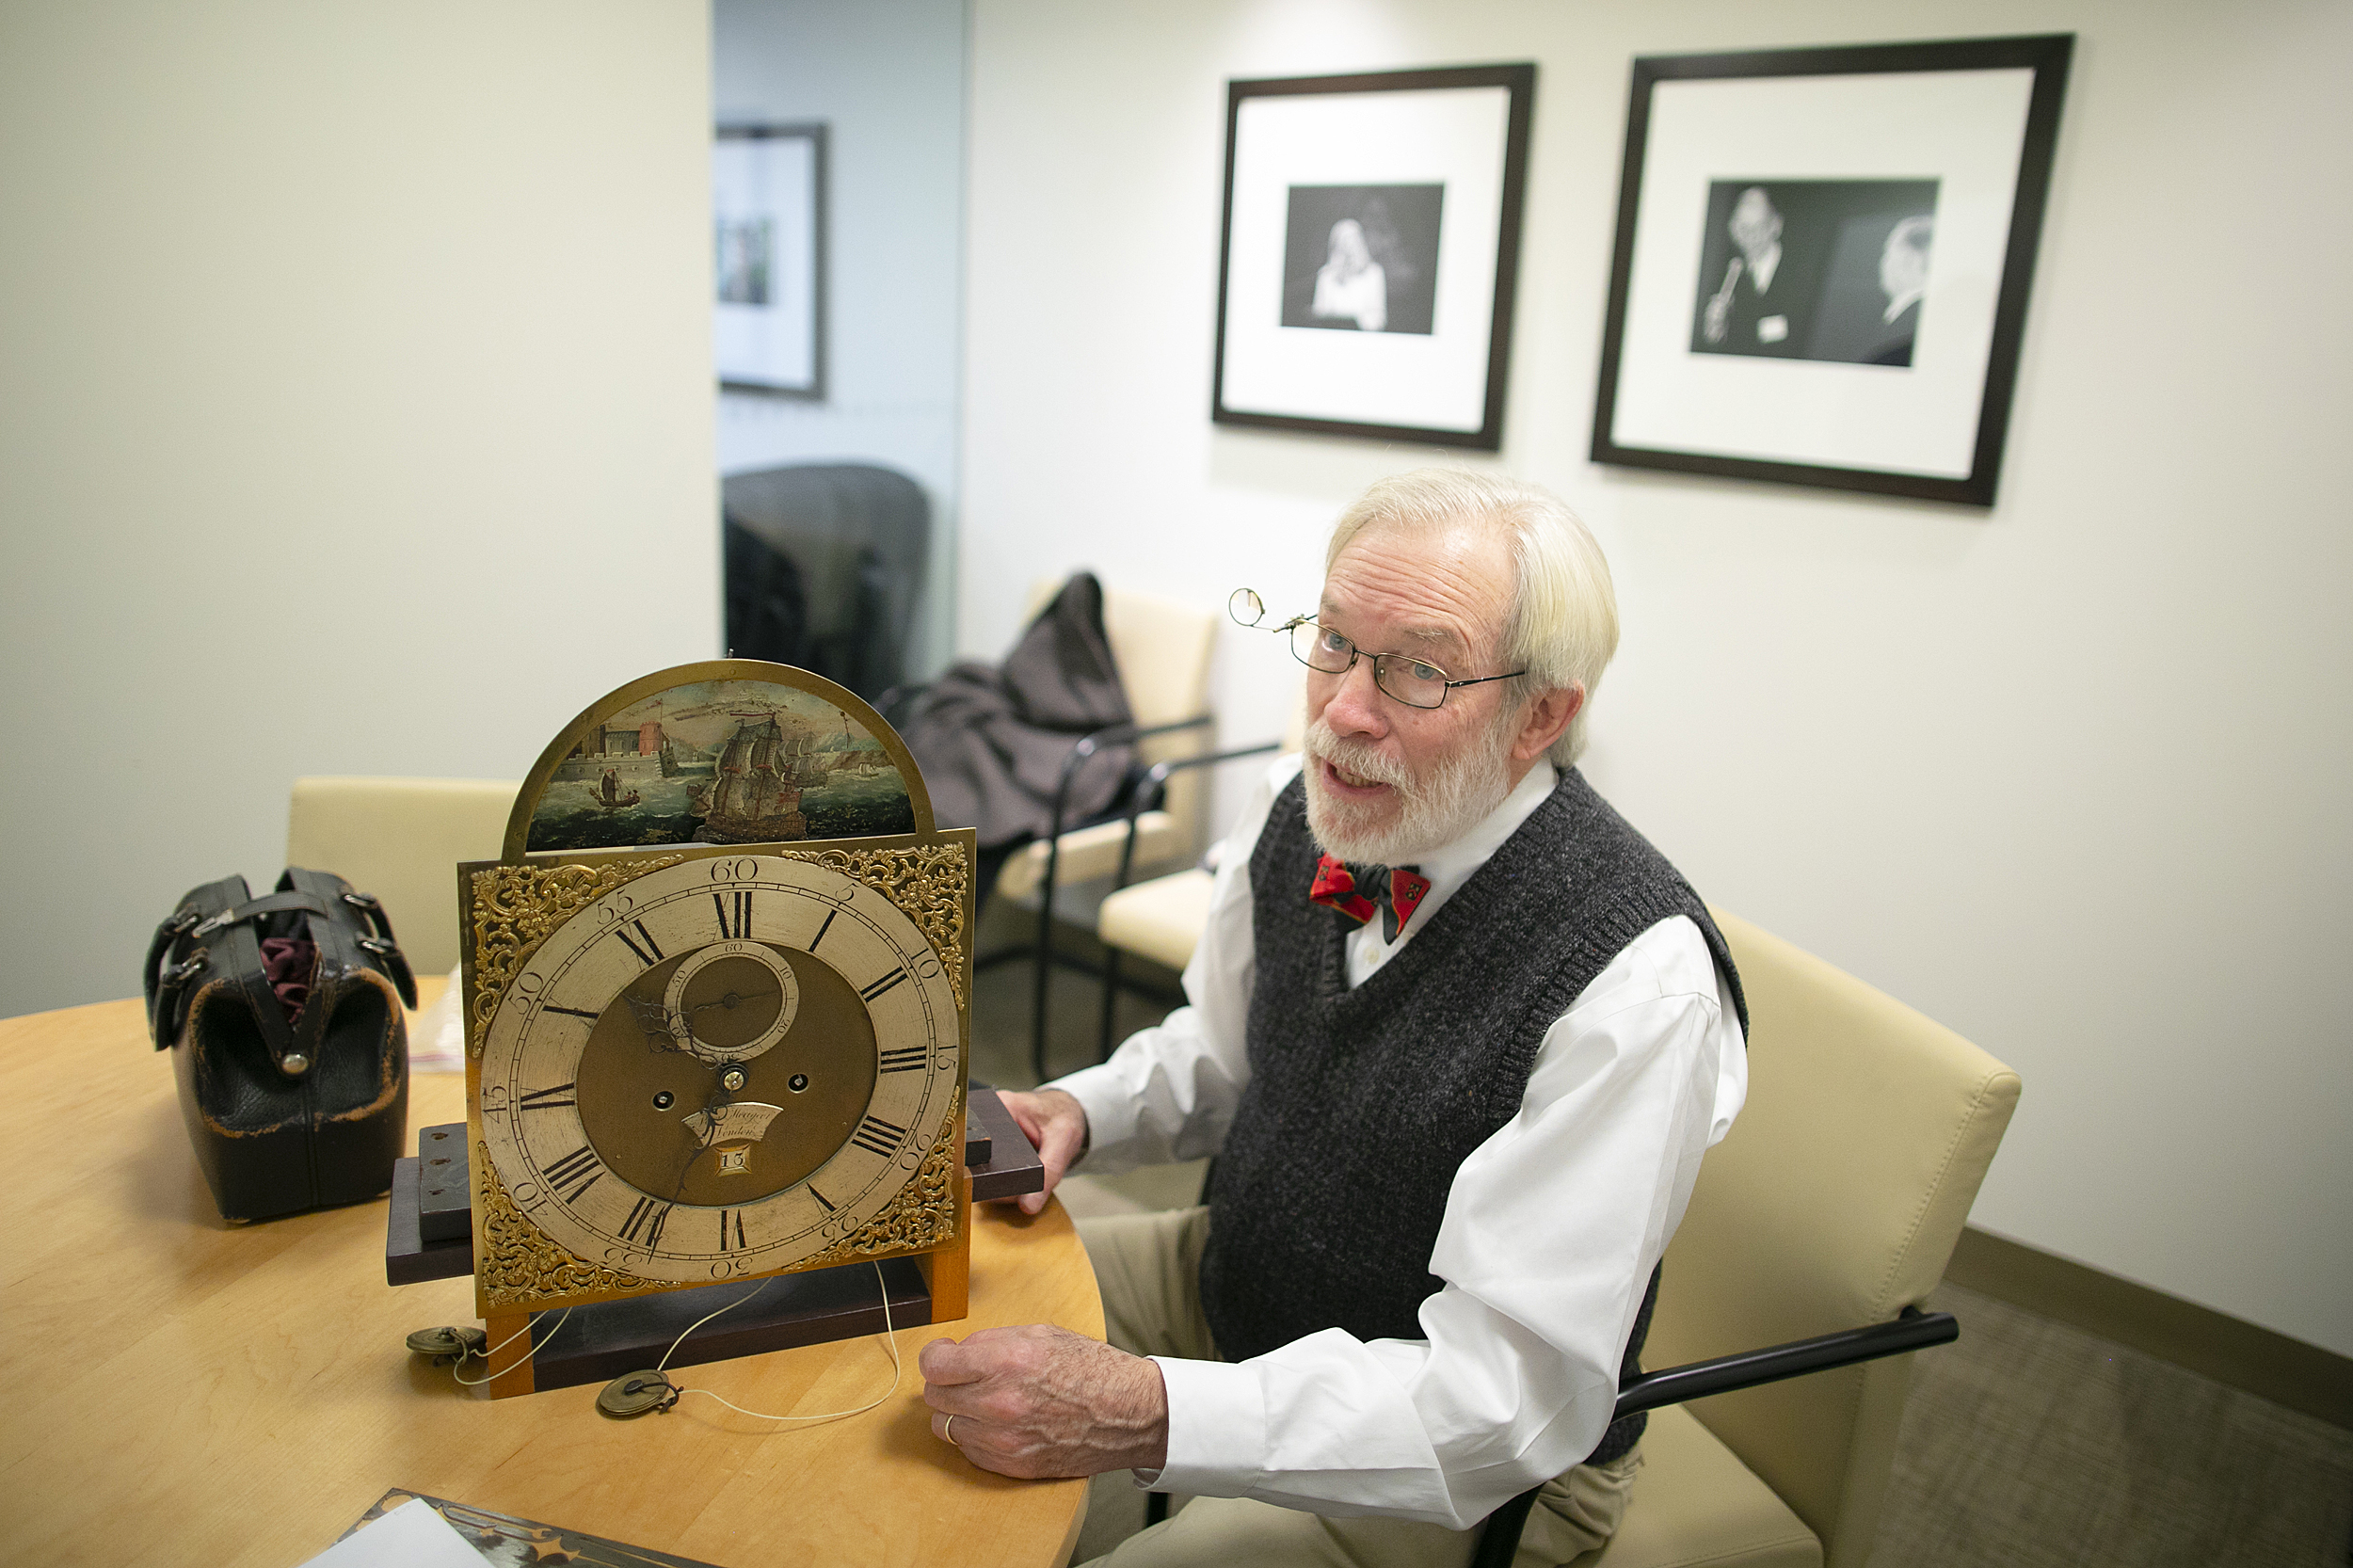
[(1110, 1105), (1216, 1429)]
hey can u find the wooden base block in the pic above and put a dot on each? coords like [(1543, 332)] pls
[(410, 1258), (510, 1344), (606, 1339)]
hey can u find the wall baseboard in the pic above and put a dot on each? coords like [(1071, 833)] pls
[(2213, 1344)]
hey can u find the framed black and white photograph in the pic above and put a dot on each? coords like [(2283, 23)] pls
[(768, 231), (1822, 263), (1371, 242)]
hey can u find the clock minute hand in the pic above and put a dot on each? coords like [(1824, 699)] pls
[(732, 1000)]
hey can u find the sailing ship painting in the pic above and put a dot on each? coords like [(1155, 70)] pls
[(726, 762), (756, 796)]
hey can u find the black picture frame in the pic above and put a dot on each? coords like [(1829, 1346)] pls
[(1425, 355), (769, 200), (1824, 402)]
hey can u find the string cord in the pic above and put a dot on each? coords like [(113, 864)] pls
[(890, 1338), (487, 1354)]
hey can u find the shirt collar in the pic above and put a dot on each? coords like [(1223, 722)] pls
[(1451, 865)]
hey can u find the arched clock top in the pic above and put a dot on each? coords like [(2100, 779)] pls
[(725, 751)]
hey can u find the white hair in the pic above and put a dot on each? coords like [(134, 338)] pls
[(1563, 623)]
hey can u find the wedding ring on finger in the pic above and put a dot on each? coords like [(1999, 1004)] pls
[(948, 1429)]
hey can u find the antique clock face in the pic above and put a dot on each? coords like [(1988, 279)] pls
[(720, 1068)]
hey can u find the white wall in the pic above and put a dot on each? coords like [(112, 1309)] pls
[(357, 368), (887, 77), (2068, 777)]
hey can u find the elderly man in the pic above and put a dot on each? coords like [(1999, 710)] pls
[(1458, 1036)]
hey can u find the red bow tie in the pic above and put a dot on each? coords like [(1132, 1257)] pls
[(1336, 888)]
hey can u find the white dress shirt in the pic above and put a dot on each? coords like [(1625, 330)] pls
[(1552, 1226)]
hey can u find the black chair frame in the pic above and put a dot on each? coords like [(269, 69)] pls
[(895, 705), (1117, 734), (1146, 796), (1912, 1330)]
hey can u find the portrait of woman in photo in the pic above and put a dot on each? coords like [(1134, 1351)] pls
[(1351, 285)]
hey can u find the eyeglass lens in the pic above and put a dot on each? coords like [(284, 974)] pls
[(1245, 606), (1410, 681)]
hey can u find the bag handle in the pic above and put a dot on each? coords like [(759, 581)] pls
[(165, 986), (177, 959), (346, 910), (384, 945)]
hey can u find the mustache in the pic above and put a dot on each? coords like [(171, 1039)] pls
[(1358, 757)]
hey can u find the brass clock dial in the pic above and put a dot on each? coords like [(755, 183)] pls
[(720, 1068)]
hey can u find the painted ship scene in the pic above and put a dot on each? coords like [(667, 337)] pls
[(722, 762)]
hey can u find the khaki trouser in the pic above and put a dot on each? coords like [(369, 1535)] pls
[(1148, 1267)]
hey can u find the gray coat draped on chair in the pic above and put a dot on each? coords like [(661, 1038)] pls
[(992, 741)]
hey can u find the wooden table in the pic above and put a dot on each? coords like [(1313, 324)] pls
[(182, 1390)]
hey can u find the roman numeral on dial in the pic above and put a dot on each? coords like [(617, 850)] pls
[(821, 929), (546, 1099), (575, 1012), (735, 913), (649, 1216), (873, 992), (575, 1174), (877, 1136), (648, 954), (825, 1202), (906, 1059), (724, 1216)]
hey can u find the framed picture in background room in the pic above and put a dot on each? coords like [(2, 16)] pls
[(1822, 263), (768, 231), (1371, 242)]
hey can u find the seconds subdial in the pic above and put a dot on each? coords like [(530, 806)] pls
[(731, 1001)]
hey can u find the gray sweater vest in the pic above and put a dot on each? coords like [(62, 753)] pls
[(1326, 1199)]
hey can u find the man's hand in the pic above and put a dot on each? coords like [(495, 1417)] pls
[(1056, 1124), (1040, 1402)]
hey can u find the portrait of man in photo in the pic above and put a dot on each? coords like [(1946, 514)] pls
[(1833, 270)]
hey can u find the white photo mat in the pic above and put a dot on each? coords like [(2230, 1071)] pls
[(767, 187), (1901, 189), (1389, 382), (1962, 128)]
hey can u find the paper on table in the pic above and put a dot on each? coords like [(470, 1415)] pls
[(411, 1536), (438, 1042)]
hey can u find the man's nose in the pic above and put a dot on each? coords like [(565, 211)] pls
[(1355, 705)]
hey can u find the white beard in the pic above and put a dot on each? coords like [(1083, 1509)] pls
[(1430, 813)]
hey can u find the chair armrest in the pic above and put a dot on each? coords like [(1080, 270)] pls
[(1912, 1331), (1156, 780), (1500, 1538), (1088, 745)]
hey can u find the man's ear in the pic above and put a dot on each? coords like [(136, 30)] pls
[(1545, 719)]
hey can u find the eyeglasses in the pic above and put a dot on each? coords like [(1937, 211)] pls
[(1416, 682)]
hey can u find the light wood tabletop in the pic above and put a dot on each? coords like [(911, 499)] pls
[(182, 1390)]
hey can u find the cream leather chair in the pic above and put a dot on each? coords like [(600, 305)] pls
[(1163, 919), (401, 839), (1834, 1202), (1162, 648)]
